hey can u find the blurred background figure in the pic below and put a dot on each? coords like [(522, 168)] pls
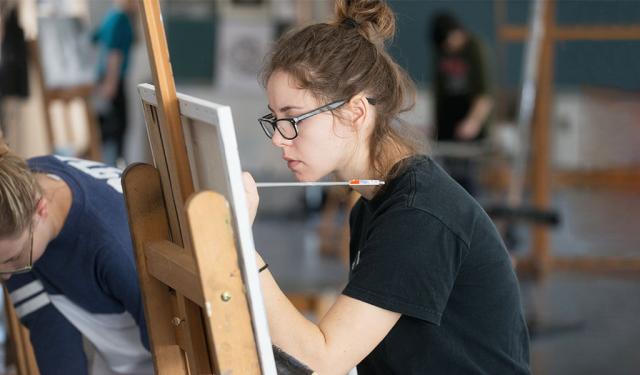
[(14, 80), (114, 38), (461, 91)]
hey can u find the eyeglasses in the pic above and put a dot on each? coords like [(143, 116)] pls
[(29, 265), (288, 127)]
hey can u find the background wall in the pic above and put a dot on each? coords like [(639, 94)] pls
[(612, 64)]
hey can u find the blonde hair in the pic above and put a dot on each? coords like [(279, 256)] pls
[(346, 56), (19, 192)]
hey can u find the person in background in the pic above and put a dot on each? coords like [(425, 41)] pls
[(66, 259), (14, 67), (114, 38), (463, 101)]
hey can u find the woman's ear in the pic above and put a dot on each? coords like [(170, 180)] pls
[(358, 110)]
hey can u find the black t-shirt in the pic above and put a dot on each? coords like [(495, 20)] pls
[(460, 78), (424, 248)]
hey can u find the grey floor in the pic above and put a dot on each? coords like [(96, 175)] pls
[(581, 323), (595, 316)]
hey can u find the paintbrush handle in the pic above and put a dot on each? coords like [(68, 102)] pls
[(335, 183), (282, 184)]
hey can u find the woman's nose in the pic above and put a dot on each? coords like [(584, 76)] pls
[(278, 140)]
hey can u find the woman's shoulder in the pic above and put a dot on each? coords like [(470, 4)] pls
[(432, 190)]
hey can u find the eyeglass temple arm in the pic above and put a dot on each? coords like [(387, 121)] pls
[(328, 107)]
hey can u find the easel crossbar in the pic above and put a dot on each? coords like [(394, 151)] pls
[(173, 266)]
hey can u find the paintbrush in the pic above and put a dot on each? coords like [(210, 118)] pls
[(354, 182)]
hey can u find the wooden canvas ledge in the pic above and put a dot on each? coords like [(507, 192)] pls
[(163, 276)]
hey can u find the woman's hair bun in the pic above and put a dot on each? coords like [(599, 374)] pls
[(374, 19)]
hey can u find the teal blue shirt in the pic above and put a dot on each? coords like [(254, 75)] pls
[(115, 33)]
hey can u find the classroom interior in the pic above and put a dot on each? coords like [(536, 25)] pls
[(579, 271)]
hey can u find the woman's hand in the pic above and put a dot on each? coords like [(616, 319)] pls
[(251, 192)]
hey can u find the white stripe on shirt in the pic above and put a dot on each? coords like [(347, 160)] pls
[(26, 291), (32, 305)]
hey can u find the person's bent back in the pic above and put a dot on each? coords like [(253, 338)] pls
[(66, 256)]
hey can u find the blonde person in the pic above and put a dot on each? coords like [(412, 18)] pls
[(431, 289), (67, 261)]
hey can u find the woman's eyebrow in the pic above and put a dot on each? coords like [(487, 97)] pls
[(285, 108)]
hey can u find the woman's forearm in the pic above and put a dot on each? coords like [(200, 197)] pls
[(289, 329)]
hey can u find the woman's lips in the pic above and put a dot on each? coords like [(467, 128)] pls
[(292, 164)]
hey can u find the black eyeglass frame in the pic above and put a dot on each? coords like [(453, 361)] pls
[(270, 120), (29, 265)]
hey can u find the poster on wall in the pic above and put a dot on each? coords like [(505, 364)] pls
[(66, 53), (242, 46)]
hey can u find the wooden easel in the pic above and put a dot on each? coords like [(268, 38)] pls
[(19, 337), (18, 334), (195, 299), (541, 175), (197, 316), (67, 95)]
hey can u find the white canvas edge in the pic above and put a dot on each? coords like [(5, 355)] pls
[(245, 237), (190, 106), (209, 113)]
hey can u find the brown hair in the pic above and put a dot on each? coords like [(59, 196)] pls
[(19, 192), (346, 56)]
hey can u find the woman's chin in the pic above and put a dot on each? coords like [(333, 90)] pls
[(303, 178), (307, 177)]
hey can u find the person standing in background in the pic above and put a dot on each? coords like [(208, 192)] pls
[(463, 102), (14, 77), (114, 38)]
